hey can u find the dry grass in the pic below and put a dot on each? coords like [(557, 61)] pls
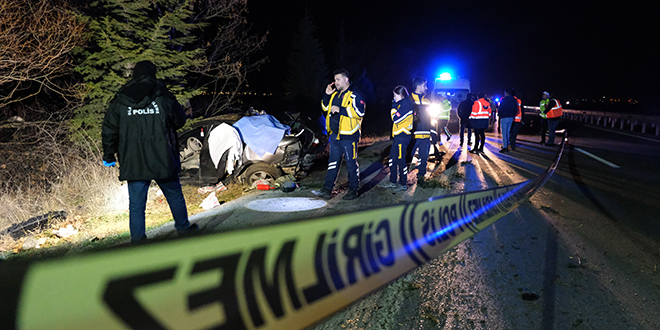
[(368, 140), (94, 199), (72, 179), (97, 205)]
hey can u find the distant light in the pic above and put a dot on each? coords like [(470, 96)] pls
[(497, 100), (445, 76)]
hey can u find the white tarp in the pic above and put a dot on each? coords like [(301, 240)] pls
[(222, 138)]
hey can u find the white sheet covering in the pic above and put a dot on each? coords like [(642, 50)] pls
[(225, 137)]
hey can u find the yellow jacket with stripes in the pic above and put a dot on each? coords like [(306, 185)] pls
[(350, 114), (423, 128), (402, 117)]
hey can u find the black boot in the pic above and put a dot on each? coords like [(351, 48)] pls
[(351, 194)]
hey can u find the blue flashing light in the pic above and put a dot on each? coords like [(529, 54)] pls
[(445, 76)]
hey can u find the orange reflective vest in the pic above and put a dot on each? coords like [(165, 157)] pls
[(518, 117), (480, 109), (556, 111)]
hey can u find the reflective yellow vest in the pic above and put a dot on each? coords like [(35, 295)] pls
[(445, 110), (542, 105)]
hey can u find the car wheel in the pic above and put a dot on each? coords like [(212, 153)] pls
[(260, 171)]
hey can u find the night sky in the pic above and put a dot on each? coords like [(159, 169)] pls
[(572, 49)]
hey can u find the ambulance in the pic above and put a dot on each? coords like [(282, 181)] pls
[(449, 88)]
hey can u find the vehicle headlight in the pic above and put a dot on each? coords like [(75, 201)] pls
[(434, 110)]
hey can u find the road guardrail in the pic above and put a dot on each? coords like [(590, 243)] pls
[(623, 121)]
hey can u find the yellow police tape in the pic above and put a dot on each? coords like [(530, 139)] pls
[(285, 276)]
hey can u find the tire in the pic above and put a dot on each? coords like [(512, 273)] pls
[(260, 171)]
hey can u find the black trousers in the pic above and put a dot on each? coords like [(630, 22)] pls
[(479, 138)]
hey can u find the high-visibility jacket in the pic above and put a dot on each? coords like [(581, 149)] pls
[(556, 110), (423, 128), (445, 110), (351, 112), (543, 105), (481, 109), (518, 117), (402, 117)]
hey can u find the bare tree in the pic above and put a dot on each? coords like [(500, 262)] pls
[(230, 49), (36, 37)]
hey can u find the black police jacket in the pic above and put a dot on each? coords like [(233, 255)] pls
[(140, 128)]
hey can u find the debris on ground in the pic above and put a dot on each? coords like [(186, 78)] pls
[(289, 186), (65, 232), (33, 243), (262, 185), (210, 202), (217, 188), (20, 229), (285, 178)]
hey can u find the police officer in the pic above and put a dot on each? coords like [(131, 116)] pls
[(139, 127), (344, 107)]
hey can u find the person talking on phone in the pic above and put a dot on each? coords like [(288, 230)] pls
[(344, 107)]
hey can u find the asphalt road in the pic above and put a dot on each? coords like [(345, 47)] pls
[(583, 253)]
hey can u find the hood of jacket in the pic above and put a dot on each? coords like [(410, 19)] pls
[(139, 92)]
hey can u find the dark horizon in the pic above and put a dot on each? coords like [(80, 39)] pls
[(572, 50)]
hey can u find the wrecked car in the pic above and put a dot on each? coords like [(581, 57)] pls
[(247, 148)]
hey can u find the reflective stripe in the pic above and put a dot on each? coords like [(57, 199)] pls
[(556, 111), (542, 106), (420, 99), (422, 132), (355, 108), (483, 112), (402, 117), (518, 117), (405, 130), (355, 129)]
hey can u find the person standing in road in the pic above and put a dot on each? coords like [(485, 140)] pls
[(402, 126), (423, 130), (543, 106), (463, 112), (507, 111), (553, 112), (445, 115), (140, 128), (344, 107), (517, 121), (479, 120), (440, 122)]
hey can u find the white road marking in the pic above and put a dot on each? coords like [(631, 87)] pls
[(622, 133), (598, 158)]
